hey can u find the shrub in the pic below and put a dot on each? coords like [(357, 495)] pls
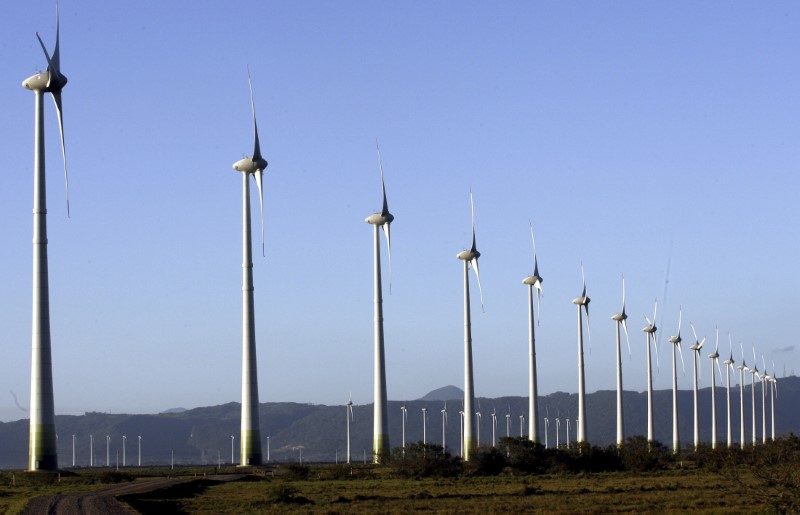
[(425, 460)]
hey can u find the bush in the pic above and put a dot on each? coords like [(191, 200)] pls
[(296, 471), (425, 460), (639, 455)]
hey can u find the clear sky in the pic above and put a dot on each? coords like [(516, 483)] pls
[(632, 135)]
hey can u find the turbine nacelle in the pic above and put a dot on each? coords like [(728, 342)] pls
[(250, 165), (379, 219), (468, 255), (45, 82), (533, 280), (619, 317), (582, 301)]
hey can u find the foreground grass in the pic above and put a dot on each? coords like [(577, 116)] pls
[(679, 490)]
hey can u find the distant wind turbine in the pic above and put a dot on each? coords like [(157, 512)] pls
[(558, 431), (250, 439), (650, 330), (380, 433), (508, 423), (533, 281), (676, 343), (714, 356), (546, 427), (478, 426), (696, 347), (729, 364), (494, 427), (582, 301), (348, 416), (470, 258), (424, 426), (742, 369), (773, 394), (765, 378), (42, 446), (754, 373), (621, 320), (521, 425), (404, 411), (444, 425)]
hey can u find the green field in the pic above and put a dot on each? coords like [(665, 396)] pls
[(525, 478)]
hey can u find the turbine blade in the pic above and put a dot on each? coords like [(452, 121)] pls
[(258, 175), (627, 338), (385, 209), (474, 263), (680, 351), (655, 346), (691, 324), (588, 327), (59, 113), (472, 207), (256, 145), (716, 345), (56, 51), (51, 67), (388, 234), (719, 370)]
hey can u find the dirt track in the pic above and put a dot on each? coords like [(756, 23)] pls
[(104, 501)]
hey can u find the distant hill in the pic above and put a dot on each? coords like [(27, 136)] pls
[(445, 393), (203, 435)]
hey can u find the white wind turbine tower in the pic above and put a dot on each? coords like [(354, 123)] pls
[(714, 356), (558, 431), (696, 347), (650, 330), (582, 301), (250, 439), (742, 369), (494, 427), (444, 425), (42, 452), (676, 343), (533, 281), (729, 364), (470, 258), (754, 373), (772, 394), (546, 427), (380, 432), (620, 319), (478, 426), (521, 425), (765, 377), (424, 426), (404, 411), (348, 416)]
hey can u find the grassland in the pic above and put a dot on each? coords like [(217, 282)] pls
[(523, 479)]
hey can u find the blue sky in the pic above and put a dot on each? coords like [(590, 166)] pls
[(632, 135)]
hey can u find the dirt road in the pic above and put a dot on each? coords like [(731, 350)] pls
[(104, 501)]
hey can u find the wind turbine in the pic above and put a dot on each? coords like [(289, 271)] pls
[(729, 363), (714, 356), (42, 449), (521, 425), (567, 432), (696, 347), (380, 431), (461, 432), (546, 427), (444, 425), (558, 431), (620, 319), (582, 301), (478, 426), (348, 416), (533, 281), (424, 426), (742, 369), (650, 330), (494, 427), (765, 377), (404, 411), (508, 423), (250, 439), (754, 373), (772, 395), (470, 258), (676, 343)]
